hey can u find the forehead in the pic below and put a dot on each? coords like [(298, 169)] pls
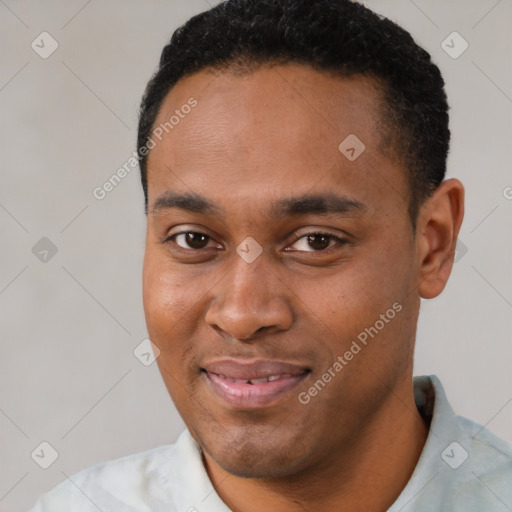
[(273, 128)]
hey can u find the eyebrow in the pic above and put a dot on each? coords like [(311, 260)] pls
[(193, 203), (307, 204), (323, 204)]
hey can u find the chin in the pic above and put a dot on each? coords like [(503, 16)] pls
[(254, 456), (256, 466)]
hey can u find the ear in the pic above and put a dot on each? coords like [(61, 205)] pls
[(438, 226)]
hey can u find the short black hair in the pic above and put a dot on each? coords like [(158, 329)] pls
[(336, 36)]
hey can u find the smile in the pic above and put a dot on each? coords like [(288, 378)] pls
[(255, 386)]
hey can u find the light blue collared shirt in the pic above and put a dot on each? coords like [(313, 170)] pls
[(462, 468)]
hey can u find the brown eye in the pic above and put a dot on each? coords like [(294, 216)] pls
[(191, 240), (319, 242), (316, 242)]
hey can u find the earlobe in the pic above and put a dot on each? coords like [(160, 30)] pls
[(438, 226)]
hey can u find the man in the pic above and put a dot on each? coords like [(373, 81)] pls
[(292, 155)]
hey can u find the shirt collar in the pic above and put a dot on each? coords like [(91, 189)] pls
[(444, 431)]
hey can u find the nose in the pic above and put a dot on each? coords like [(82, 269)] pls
[(250, 300)]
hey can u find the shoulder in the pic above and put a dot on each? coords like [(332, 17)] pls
[(463, 466), (486, 479), (122, 484), (492, 455)]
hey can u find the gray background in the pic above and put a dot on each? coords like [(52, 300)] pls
[(70, 324)]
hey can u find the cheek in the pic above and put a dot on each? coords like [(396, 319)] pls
[(354, 296), (165, 297), (169, 318)]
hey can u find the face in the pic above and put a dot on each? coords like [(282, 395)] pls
[(279, 274)]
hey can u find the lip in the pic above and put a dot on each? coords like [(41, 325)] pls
[(232, 381)]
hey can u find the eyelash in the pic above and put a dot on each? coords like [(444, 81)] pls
[(172, 237), (339, 241)]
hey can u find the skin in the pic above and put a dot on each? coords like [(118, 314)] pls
[(253, 139)]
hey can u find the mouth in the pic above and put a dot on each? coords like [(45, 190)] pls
[(253, 385)]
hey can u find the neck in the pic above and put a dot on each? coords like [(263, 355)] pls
[(367, 473)]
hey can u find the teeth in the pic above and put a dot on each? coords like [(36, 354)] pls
[(259, 381), (270, 378)]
